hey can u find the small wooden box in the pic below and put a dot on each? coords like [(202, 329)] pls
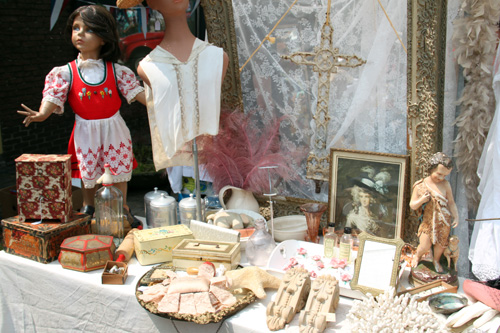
[(86, 252), (194, 252), (427, 292), (112, 278), (44, 187), (41, 242), (153, 246)]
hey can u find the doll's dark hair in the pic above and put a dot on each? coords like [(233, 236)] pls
[(103, 24), (439, 158)]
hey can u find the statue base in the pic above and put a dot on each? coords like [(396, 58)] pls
[(425, 272)]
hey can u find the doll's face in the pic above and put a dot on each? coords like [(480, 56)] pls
[(439, 173), (84, 39)]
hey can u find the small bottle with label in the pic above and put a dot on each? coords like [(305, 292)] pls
[(345, 244), (330, 241)]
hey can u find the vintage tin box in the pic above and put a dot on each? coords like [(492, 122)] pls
[(44, 187), (194, 252), (153, 246), (86, 252), (41, 242)]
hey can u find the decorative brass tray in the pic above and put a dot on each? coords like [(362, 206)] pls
[(242, 301)]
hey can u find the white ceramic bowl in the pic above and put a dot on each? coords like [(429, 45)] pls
[(289, 227)]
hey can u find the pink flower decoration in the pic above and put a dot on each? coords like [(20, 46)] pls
[(313, 274), (346, 277), (302, 251), (338, 263), (287, 267), (316, 257), (293, 262), (320, 264)]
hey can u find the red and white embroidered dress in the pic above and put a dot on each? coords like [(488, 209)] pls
[(100, 134)]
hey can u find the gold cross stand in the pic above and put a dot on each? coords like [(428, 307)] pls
[(325, 61)]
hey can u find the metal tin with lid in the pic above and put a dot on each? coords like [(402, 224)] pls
[(187, 210), (163, 211), (148, 197)]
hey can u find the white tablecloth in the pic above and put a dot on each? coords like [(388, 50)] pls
[(37, 297)]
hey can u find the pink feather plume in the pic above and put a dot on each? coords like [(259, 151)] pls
[(233, 157)]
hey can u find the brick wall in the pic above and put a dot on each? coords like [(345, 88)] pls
[(29, 50)]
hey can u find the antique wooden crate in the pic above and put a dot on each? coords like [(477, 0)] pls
[(194, 252), (153, 246), (44, 187), (86, 252), (41, 242)]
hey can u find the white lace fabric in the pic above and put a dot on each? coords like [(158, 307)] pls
[(367, 105)]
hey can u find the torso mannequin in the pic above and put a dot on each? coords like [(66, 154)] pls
[(178, 39), (183, 76)]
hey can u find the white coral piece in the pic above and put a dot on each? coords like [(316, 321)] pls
[(387, 313)]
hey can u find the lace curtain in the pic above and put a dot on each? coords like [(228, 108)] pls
[(367, 104)]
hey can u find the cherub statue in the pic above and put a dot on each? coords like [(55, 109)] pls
[(433, 200)]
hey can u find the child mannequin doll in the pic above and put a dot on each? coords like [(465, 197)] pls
[(433, 201), (91, 84), (183, 77)]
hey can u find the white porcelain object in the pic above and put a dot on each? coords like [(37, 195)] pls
[(253, 215), (286, 250), (239, 199), (289, 227)]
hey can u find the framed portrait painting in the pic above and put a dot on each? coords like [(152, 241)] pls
[(367, 192)]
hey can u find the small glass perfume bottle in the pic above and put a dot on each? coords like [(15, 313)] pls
[(345, 244), (260, 245), (330, 241)]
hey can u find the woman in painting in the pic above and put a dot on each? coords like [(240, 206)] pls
[(366, 212)]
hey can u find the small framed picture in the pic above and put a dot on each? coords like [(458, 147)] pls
[(367, 192)]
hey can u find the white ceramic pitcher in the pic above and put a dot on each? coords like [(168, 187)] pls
[(240, 199)]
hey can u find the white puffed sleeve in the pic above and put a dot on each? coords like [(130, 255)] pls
[(56, 87), (127, 83)]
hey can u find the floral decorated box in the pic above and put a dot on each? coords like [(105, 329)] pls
[(44, 187), (41, 242), (153, 246)]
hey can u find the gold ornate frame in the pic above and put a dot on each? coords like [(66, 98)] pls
[(426, 41), (357, 283), (394, 195)]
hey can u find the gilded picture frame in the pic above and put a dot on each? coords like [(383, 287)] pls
[(367, 192), (377, 264)]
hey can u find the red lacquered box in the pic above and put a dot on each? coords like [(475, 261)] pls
[(86, 252), (41, 242), (44, 187)]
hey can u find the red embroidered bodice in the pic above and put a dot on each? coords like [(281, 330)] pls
[(94, 101)]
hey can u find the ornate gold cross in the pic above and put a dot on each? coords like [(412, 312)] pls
[(325, 61)]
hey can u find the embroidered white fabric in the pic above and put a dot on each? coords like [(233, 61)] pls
[(178, 109), (484, 251), (367, 105)]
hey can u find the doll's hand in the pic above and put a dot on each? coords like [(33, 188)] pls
[(31, 116), (455, 223), (46, 110)]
